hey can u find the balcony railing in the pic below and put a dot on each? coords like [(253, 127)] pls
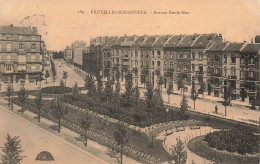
[(216, 62), (232, 77)]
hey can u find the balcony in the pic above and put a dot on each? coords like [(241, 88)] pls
[(208, 63), (199, 72), (232, 77), (242, 79), (251, 79), (251, 65), (251, 92), (216, 74), (216, 62)]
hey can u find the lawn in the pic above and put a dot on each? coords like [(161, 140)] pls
[(197, 146)]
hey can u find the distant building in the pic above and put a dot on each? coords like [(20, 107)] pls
[(68, 54), (77, 48), (21, 53), (257, 39)]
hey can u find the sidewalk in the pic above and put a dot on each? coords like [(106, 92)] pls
[(93, 148)]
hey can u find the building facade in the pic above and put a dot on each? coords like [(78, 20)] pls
[(21, 54)]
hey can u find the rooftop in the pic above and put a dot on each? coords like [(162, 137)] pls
[(251, 48), (149, 41), (187, 41), (139, 40), (218, 46), (233, 47), (18, 30), (204, 40), (173, 42), (161, 41)]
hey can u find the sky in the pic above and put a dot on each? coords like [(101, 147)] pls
[(60, 22)]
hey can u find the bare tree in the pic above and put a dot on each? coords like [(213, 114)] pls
[(58, 111), (177, 153), (39, 103), (121, 138), (47, 75), (169, 91), (12, 151), (227, 97), (9, 93), (85, 124), (194, 95), (22, 95)]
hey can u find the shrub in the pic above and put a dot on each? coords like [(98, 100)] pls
[(56, 90), (44, 156), (234, 140)]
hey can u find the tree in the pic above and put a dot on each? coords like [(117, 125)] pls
[(58, 111), (9, 93), (181, 84), (160, 82), (22, 95), (90, 85), (108, 91), (149, 96), (85, 125), (118, 87), (12, 151), (194, 95), (184, 105), (65, 76), (169, 91), (121, 138), (137, 95), (47, 75), (39, 103), (53, 70), (227, 97), (128, 88), (39, 78), (99, 83), (75, 90), (203, 88), (177, 153)]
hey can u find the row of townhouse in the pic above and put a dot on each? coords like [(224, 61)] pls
[(21, 54), (74, 53), (201, 58)]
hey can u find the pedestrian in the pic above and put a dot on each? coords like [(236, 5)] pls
[(216, 109)]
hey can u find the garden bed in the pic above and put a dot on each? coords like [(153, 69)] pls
[(56, 90), (197, 146)]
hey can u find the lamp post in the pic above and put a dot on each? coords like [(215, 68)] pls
[(12, 103)]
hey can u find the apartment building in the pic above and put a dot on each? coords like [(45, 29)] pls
[(68, 54), (21, 54), (77, 49)]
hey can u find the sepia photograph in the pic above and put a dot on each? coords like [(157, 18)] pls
[(129, 82)]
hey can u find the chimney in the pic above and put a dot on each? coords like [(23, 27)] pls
[(34, 29), (220, 36)]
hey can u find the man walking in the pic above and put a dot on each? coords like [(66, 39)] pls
[(216, 109)]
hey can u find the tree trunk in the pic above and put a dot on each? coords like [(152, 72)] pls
[(39, 114), (22, 108), (194, 104), (86, 140), (46, 80), (59, 126), (168, 99), (121, 154), (202, 94), (225, 110), (9, 101), (65, 83)]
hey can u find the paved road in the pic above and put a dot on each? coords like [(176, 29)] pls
[(35, 139)]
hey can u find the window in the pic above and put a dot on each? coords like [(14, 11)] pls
[(208, 70), (242, 60), (201, 69), (21, 46), (200, 56), (172, 54), (225, 71), (152, 64), (33, 46), (108, 54), (8, 47), (216, 71), (8, 67), (152, 54), (158, 63), (193, 55), (242, 74), (165, 65), (147, 63), (142, 54), (251, 74), (225, 58), (136, 62), (159, 54), (208, 58), (185, 67), (233, 71), (171, 65), (193, 67), (136, 54), (142, 64), (131, 52), (251, 60), (216, 58), (233, 60), (147, 53)]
